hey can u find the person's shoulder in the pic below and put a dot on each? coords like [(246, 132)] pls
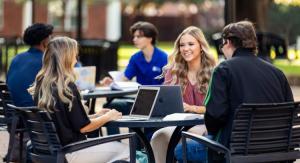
[(20, 57), (224, 64), (161, 52), (222, 68), (273, 68), (73, 86), (137, 55)]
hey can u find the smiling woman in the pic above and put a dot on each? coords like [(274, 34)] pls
[(190, 66)]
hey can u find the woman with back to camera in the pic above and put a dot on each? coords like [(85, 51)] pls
[(190, 66), (54, 90)]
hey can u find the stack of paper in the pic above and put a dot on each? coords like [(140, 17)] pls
[(116, 75), (124, 85), (182, 116)]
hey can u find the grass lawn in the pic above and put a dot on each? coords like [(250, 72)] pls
[(126, 50), (288, 67)]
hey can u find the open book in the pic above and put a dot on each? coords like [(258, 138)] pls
[(116, 75), (119, 85), (182, 116)]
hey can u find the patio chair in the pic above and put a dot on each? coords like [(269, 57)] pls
[(260, 133), (9, 121), (3, 125), (46, 146)]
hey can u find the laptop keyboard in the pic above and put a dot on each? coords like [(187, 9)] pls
[(132, 118)]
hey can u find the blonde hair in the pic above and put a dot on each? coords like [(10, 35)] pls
[(57, 72), (179, 68)]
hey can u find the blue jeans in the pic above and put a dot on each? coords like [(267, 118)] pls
[(195, 151)]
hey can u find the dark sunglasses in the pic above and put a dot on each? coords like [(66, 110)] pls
[(222, 45)]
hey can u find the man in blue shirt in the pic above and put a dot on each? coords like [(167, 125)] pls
[(25, 66), (145, 72), (145, 65)]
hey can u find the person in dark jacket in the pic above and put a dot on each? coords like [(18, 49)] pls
[(242, 78)]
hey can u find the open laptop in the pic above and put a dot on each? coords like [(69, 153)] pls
[(169, 101), (143, 104), (85, 77)]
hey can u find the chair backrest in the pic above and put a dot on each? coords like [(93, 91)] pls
[(265, 128), (41, 129), (4, 94), (5, 99)]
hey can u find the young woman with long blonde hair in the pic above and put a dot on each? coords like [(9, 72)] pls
[(190, 66), (55, 92)]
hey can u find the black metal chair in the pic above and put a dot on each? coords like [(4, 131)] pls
[(3, 125), (46, 146), (10, 121), (260, 133)]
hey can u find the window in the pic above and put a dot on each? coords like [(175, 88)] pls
[(63, 14), (56, 13)]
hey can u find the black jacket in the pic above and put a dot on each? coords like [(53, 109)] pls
[(244, 78)]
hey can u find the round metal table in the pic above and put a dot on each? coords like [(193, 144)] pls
[(136, 126)]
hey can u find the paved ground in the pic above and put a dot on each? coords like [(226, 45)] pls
[(4, 134)]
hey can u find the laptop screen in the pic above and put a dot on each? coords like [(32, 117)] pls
[(86, 77), (144, 101)]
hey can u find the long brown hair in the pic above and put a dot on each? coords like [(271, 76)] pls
[(57, 71)]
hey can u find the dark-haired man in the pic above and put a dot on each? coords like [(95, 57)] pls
[(145, 64), (242, 78), (25, 66)]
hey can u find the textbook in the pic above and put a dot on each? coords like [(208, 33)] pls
[(183, 116), (116, 75), (124, 85)]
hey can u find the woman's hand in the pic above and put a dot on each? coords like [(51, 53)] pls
[(193, 108), (106, 81), (102, 111), (188, 108), (113, 115)]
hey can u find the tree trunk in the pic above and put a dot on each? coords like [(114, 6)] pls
[(254, 10)]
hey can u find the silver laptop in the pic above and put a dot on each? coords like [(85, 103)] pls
[(85, 77), (143, 105)]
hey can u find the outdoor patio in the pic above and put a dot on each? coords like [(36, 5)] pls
[(4, 135)]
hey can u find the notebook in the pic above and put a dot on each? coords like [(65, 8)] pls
[(143, 104), (85, 77)]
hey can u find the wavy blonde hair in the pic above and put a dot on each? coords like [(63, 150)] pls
[(57, 72), (179, 67)]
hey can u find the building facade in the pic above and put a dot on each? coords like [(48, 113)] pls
[(97, 16)]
